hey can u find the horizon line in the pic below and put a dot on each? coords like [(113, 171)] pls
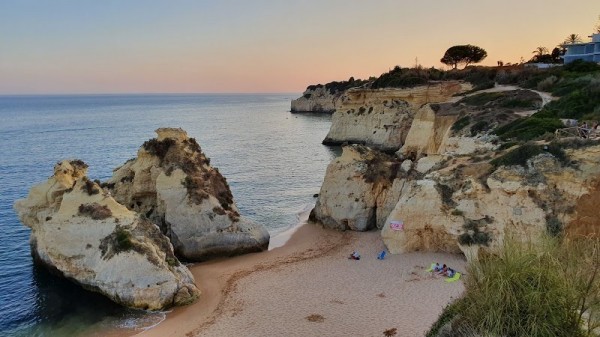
[(147, 93)]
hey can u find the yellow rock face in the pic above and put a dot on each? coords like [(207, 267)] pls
[(383, 117)]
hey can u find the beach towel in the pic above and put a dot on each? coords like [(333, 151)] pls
[(453, 278), (381, 255), (431, 267), (397, 225)]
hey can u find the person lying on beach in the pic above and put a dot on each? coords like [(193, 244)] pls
[(450, 272), (443, 270), (436, 268), (354, 256)]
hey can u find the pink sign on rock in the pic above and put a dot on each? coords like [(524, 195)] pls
[(397, 225)]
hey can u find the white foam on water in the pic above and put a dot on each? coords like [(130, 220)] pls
[(280, 239)]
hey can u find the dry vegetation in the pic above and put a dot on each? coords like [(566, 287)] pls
[(95, 211)]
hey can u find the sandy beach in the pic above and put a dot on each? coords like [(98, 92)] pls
[(308, 287)]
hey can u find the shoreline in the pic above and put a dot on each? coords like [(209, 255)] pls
[(217, 279), (241, 294)]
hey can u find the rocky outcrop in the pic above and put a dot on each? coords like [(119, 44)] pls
[(471, 206), (461, 127), (382, 118), (172, 183), (464, 203), (317, 99), (80, 232), (360, 189)]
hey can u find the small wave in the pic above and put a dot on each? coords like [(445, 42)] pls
[(142, 321), (281, 238)]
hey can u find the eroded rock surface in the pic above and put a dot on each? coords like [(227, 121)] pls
[(80, 232), (360, 188), (382, 118), (172, 183)]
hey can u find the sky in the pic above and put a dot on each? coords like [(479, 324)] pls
[(255, 46)]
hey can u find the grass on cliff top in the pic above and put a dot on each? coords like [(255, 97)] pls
[(337, 87), (523, 153), (549, 289), (525, 129)]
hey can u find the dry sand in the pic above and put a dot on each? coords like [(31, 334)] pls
[(308, 287)]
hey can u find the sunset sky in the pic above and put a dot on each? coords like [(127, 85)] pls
[(246, 46)]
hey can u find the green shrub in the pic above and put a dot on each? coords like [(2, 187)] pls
[(336, 87), (461, 123), (581, 66), (123, 239), (518, 156), (554, 226), (558, 153), (479, 127), (518, 103), (507, 145), (473, 235), (482, 98), (528, 128)]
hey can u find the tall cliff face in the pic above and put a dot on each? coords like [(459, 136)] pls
[(172, 183), (463, 203), (80, 232), (382, 118)]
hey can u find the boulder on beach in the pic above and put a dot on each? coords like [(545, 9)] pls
[(81, 233), (172, 183)]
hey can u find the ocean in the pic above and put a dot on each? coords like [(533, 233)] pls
[(273, 161)]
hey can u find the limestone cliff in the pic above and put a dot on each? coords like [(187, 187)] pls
[(463, 203), (172, 183), (471, 205), (83, 234), (360, 189), (317, 99), (381, 118)]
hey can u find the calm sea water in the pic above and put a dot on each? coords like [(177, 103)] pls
[(273, 161)]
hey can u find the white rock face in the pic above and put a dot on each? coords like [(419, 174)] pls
[(82, 233), (350, 198), (381, 118), (461, 145), (317, 99), (172, 183), (427, 163)]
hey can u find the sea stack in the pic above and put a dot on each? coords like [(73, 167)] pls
[(172, 183), (81, 233)]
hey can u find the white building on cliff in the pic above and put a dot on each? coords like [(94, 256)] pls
[(588, 51)]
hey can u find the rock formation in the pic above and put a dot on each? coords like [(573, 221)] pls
[(172, 183), (360, 189), (381, 118), (317, 99), (455, 191), (80, 232), (461, 204)]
